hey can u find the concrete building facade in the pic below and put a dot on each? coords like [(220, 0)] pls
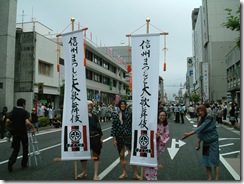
[(39, 69), (211, 43), (8, 10), (233, 70)]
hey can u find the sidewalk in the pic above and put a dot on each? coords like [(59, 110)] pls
[(228, 123), (47, 127)]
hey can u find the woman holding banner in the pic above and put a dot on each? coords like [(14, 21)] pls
[(122, 132), (162, 136), (95, 142)]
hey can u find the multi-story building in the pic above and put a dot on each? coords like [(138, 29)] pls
[(233, 69), (7, 43), (39, 68), (211, 43)]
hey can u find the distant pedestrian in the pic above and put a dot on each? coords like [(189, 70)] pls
[(219, 114), (103, 112), (182, 113), (232, 116), (50, 114), (208, 134), (34, 119), (56, 123), (20, 121), (40, 110), (191, 111), (177, 113), (3, 118), (237, 111), (225, 111)]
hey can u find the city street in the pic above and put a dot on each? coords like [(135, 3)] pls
[(180, 160)]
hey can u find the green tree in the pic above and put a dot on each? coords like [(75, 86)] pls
[(194, 97), (233, 23)]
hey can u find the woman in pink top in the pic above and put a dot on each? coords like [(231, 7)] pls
[(162, 139)]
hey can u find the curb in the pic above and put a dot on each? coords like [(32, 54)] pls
[(229, 124)]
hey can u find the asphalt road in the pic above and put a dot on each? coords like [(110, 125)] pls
[(181, 161)]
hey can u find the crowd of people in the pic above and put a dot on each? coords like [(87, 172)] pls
[(121, 116), (220, 111)]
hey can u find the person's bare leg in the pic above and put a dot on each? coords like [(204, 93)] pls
[(96, 165), (122, 163), (135, 173), (209, 172), (83, 165), (83, 174), (216, 168)]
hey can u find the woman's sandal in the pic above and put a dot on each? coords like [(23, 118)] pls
[(96, 178), (136, 177), (123, 176), (82, 175)]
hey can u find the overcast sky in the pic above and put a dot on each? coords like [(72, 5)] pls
[(111, 20)]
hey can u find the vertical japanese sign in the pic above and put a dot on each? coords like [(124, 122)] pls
[(75, 127), (145, 81)]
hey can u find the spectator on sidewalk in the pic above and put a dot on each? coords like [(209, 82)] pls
[(104, 110), (237, 111), (232, 115), (182, 113), (56, 122), (191, 111), (50, 114), (34, 119), (40, 110), (3, 118), (225, 111), (219, 114)]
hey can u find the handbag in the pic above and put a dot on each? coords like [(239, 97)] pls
[(232, 118)]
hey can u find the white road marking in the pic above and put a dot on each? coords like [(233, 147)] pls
[(223, 139), (229, 168), (110, 168), (230, 153), (44, 149), (224, 145)]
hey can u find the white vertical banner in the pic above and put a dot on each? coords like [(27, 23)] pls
[(75, 126), (145, 82)]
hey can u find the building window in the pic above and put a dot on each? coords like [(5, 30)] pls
[(97, 60), (124, 75), (61, 61), (105, 80), (114, 83), (105, 64), (88, 74), (238, 69), (89, 55), (97, 78), (1, 85), (45, 69), (112, 68)]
